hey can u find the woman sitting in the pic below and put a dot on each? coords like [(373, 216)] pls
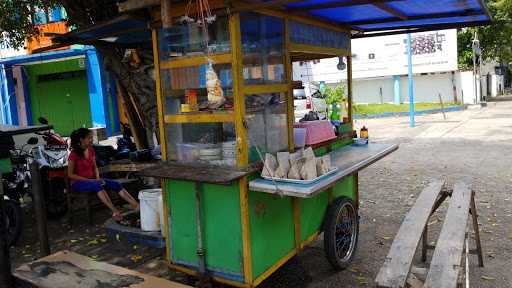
[(85, 176)]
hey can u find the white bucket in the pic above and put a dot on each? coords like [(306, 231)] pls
[(151, 209)]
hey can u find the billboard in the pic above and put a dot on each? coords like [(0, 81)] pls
[(434, 51)]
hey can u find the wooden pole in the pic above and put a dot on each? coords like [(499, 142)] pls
[(165, 11), (442, 105), (40, 210), (6, 279)]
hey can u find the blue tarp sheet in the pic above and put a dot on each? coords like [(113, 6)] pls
[(370, 16)]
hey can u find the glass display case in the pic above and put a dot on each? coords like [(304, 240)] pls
[(262, 48), (225, 97), (266, 117), (208, 143), (185, 89), (186, 39)]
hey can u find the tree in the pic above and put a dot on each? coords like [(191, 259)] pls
[(336, 95), (135, 80), (494, 39)]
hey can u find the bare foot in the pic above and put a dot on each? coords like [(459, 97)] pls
[(116, 215)]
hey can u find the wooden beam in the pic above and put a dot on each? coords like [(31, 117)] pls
[(464, 13), (247, 6), (331, 5), (131, 5), (446, 261), (396, 268), (390, 10), (165, 11)]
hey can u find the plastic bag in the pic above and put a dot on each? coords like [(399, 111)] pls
[(323, 165), (308, 170), (295, 167), (270, 166), (283, 161), (213, 87)]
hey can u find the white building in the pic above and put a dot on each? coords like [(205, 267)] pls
[(380, 70)]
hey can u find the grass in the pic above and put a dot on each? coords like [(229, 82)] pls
[(372, 109)]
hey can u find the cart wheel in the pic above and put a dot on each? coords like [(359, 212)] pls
[(341, 232)]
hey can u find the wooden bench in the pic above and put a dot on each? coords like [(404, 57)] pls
[(446, 263), (85, 201)]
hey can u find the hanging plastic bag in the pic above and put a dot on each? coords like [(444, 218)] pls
[(214, 88)]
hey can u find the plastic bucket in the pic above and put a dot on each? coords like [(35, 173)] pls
[(151, 209)]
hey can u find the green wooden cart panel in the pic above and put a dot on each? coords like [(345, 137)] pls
[(272, 230), (341, 143), (5, 165), (312, 211), (346, 188), (222, 226)]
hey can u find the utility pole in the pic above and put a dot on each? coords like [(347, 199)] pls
[(476, 52), (411, 83)]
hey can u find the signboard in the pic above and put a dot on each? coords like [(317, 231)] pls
[(434, 51), (43, 40)]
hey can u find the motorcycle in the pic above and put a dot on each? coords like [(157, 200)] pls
[(53, 161), (16, 185)]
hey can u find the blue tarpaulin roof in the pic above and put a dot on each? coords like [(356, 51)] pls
[(395, 15), (368, 17)]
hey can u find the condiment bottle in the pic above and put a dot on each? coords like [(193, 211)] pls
[(363, 133)]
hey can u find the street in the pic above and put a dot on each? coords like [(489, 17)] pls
[(473, 145)]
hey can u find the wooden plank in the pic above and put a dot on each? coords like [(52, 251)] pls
[(445, 264), (398, 263), (131, 5), (198, 172), (390, 10), (68, 269)]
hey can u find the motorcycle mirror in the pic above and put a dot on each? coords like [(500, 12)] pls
[(42, 120), (32, 141)]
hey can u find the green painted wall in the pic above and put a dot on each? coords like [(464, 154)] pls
[(5, 165), (61, 98), (222, 226)]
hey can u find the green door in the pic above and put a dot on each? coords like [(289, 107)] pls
[(62, 98)]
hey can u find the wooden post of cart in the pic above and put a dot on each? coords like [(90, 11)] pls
[(223, 221)]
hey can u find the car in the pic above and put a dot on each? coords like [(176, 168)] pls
[(304, 103)]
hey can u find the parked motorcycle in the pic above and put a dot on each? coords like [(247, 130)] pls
[(53, 161), (16, 185)]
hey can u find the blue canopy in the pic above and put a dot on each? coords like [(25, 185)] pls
[(394, 16)]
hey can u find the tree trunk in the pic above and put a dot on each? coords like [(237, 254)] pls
[(137, 80)]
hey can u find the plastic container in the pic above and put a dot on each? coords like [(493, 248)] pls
[(151, 210), (317, 131), (299, 137), (186, 152)]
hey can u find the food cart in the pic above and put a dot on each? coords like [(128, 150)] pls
[(223, 221)]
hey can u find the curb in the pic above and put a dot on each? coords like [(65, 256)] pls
[(403, 114)]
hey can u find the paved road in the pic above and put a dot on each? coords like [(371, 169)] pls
[(475, 145)]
